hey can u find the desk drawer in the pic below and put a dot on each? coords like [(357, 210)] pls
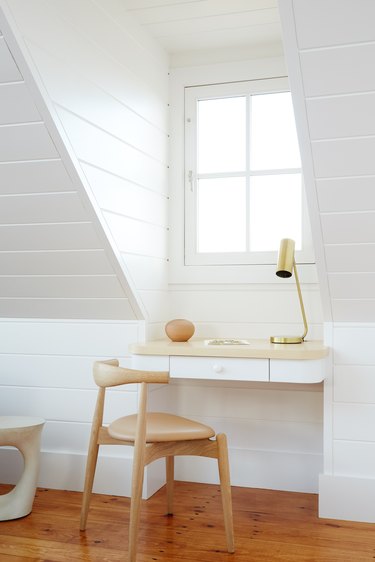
[(219, 368), (298, 371)]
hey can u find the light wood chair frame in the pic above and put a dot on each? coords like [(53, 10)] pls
[(109, 374)]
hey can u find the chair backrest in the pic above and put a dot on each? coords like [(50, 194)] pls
[(108, 373)]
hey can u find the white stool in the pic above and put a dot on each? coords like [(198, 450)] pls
[(23, 433)]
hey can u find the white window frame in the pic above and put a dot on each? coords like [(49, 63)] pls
[(192, 257)]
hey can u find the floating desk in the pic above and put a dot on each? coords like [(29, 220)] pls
[(259, 360)]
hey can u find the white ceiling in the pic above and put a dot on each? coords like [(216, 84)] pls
[(190, 25)]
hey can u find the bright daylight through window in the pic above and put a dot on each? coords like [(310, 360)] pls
[(243, 174)]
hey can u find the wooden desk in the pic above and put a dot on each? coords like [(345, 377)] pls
[(304, 363)]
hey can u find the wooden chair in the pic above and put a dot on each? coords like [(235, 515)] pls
[(153, 436)]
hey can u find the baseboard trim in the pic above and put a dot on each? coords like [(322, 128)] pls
[(66, 471), (350, 499)]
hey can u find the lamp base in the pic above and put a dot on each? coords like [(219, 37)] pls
[(286, 339)]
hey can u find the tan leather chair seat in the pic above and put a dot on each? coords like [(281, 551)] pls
[(160, 427)]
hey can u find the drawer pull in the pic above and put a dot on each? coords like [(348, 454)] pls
[(217, 368)]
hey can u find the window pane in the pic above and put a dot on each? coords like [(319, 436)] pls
[(275, 211), (222, 135), (221, 215), (273, 136)]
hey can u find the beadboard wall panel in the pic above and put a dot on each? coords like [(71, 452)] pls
[(108, 82)]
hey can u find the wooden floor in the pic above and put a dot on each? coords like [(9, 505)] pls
[(269, 526)]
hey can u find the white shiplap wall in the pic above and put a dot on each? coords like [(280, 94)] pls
[(275, 433), (108, 84), (56, 262), (46, 371), (330, 50), (48, 231)]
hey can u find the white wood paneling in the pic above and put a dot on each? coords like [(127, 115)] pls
[(258, 469), (74, 286), (354, 383), (16, 105), (346, 194), (9, 69), (350, 257), (148, 273), (148, 12), (45, 208), (334, 158), (60, 404), (138, 237), (95, 339), (68, 236), (343, 285), (46, 370), (76, 308), (93, 23), (248, 18), (354, 458), (358, 310), (330, 48), (26, 142), (209, 25), (120, 196), (244, 305), (76, 262), (343, 22), (346, 228), (105, 151), (53, 371), (67, 43), (235, 37), (345, 116), (237, 402), (108, 82), (34, 177), (82, 97), (354, 422), (354, 345), (339, 70)]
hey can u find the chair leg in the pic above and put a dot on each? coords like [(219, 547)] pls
[(92, 458), (226, 494), (135, 503), (169, 464)]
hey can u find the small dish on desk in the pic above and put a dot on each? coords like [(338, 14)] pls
[(226, 341)]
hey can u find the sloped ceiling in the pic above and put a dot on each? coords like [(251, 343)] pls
[(55, 258), (203, 26), (330, 52)]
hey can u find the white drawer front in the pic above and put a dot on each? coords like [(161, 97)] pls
[(150, 362), (219, 368), (298, 371)]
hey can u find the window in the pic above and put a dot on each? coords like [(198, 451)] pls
[(244, 187)]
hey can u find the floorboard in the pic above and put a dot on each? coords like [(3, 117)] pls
[(270, 526)]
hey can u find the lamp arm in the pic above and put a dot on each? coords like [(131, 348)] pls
[(300, 300)]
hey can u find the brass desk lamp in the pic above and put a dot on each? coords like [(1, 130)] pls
[(285, 266)]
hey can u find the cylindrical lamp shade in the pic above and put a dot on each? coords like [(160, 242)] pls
[(286, 258)]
